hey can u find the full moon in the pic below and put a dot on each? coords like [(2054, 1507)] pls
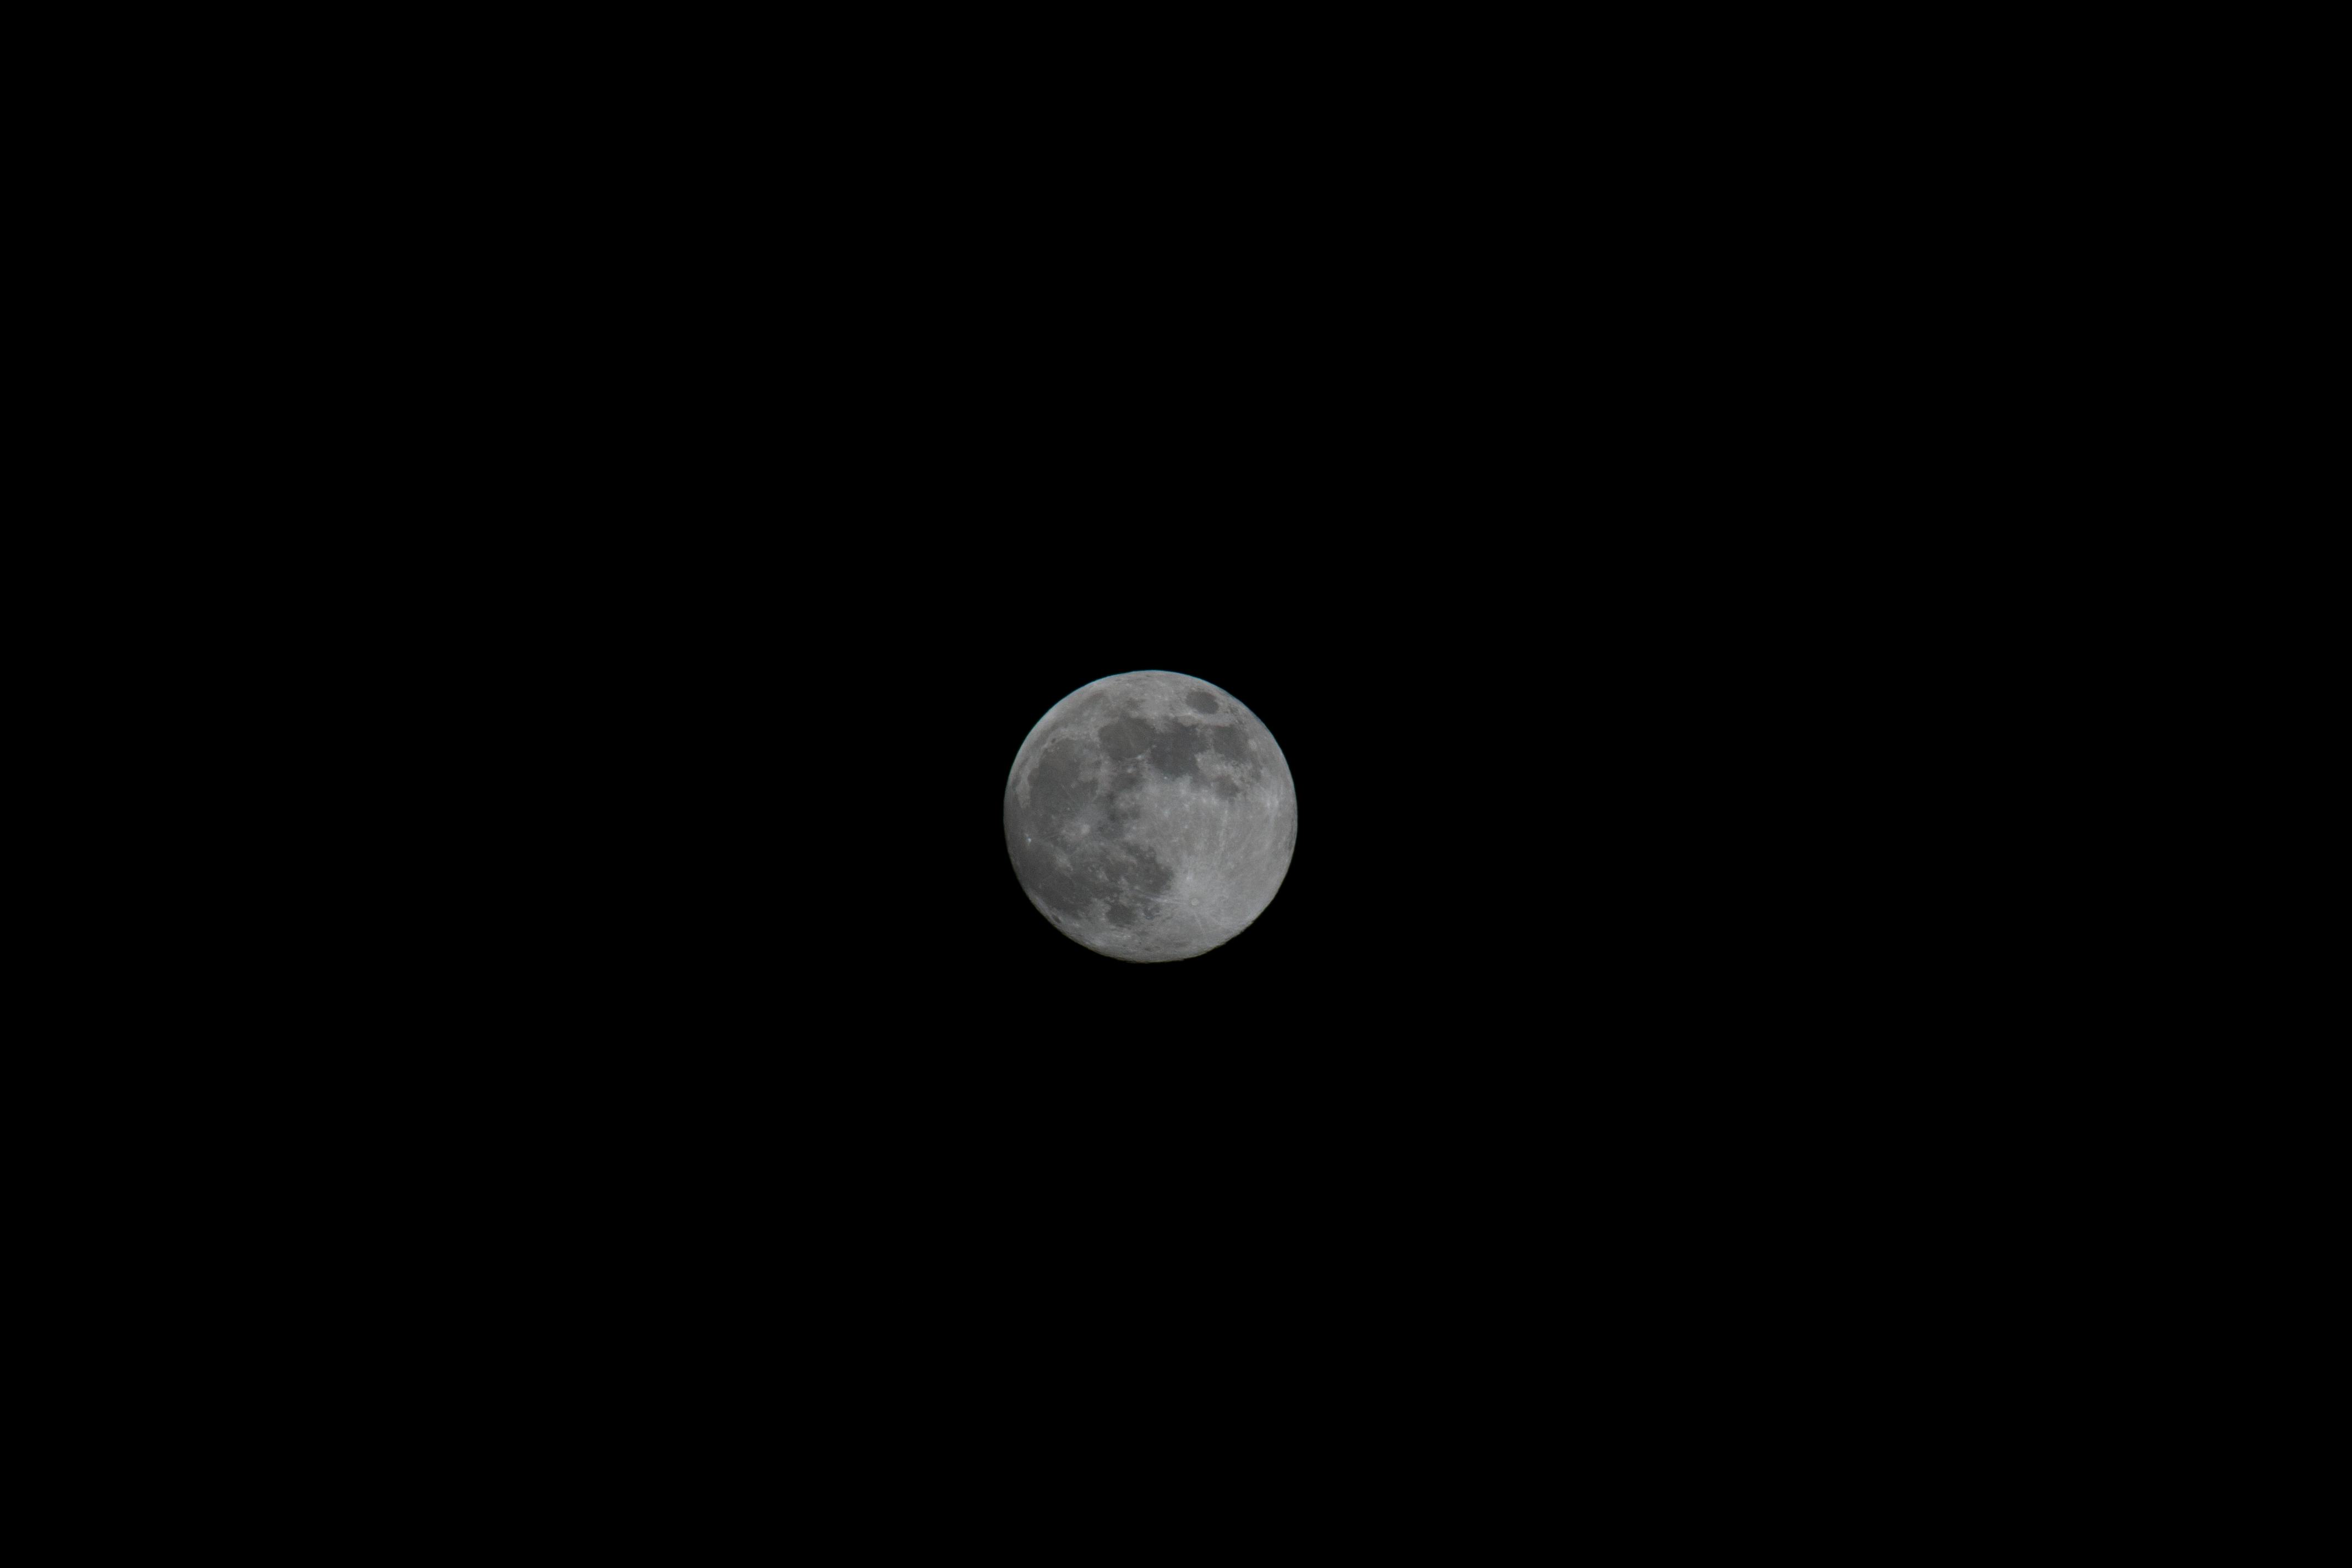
[(1150, 816)]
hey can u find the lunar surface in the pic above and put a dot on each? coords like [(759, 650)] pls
[(1150, 816)]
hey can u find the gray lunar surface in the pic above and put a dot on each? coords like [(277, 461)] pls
[(1150, 816)]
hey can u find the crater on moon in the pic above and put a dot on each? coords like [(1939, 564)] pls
[(1150, 816)]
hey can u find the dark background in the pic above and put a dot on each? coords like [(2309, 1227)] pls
[(659, 506), (1578, 850), (740, 498), (742, 1019)]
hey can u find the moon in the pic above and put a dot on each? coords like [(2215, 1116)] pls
[(1150, 816)]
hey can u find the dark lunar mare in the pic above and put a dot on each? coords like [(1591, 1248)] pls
[(1063, 783), (1173, 748), (1176, 752), (1143, 871), (1138, 871), (1062, 787), (1124, 737)]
